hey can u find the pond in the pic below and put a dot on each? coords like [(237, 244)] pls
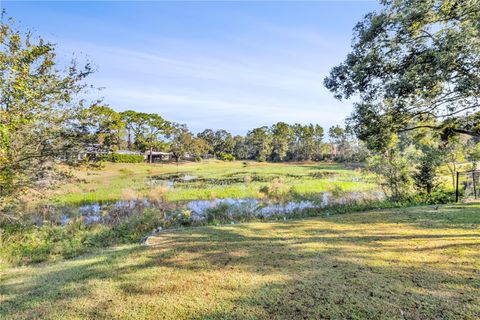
[(199, 209)]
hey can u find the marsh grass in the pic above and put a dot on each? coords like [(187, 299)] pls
[(157, 195), (276, 191), (406, 263), (222, 179), (129, 195)]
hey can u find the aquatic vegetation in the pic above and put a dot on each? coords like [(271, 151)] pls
[(209, 180)]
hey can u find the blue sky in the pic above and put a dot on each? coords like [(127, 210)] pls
[(231, 65)]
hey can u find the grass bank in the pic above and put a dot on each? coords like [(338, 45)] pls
[(416, 263)]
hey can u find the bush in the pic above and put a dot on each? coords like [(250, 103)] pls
[(122, 158), (437, 196), (226, 156), (128, 158), (277, 190), (130, 230), (218, 214)]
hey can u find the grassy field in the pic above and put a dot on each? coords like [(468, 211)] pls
[(211, 179), (417, 263)]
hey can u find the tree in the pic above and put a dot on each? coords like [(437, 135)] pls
[(151, 131), (282, 136), (307, 141), (240, 148), (259, 141), (325, 150), (455, 153), (415, 64), (183, 141), (427, 165), (221, 141), (224, 141), (130, 119), (318, 134), (209, 136), (140, 131), (39, 109), (474, 154), (338, 139), (393, 169), (199, 147), (107, 126)]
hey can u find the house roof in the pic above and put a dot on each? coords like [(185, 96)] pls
[(159, 153)]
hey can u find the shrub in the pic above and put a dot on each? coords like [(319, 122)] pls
[(226, 156), (437, 196), (277, 190), (122, 158), (128, 158), (337, 191), (393, 170), (426, 177), (130, 230), (218, 214)]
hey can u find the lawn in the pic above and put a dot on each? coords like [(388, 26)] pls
[(416, 263), (210, 179)]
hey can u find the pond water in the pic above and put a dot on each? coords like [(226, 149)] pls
[(169, 180), (98, 213), (199, 209)]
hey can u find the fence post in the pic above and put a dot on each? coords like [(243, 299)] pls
[(456, 189)]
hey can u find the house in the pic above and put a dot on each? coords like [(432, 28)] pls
[(128, 152), (158, 156)]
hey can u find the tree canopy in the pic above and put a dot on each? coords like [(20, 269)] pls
[(414, 64)]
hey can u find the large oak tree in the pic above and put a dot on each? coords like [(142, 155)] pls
[(414, 64)]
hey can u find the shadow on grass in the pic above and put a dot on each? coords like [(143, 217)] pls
[(336, 267), (464, 216)]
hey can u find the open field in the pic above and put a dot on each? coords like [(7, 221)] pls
[(416, 263), (208, 180)]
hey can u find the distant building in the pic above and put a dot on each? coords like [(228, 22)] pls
[(158, 156), (128, 152)]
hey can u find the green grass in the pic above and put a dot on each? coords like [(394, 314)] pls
[(216, 179), (416, 263)]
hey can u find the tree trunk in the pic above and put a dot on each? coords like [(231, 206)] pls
[(129, 140), (151, 156)]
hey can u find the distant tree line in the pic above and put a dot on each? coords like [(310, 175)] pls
[(147, 132)]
